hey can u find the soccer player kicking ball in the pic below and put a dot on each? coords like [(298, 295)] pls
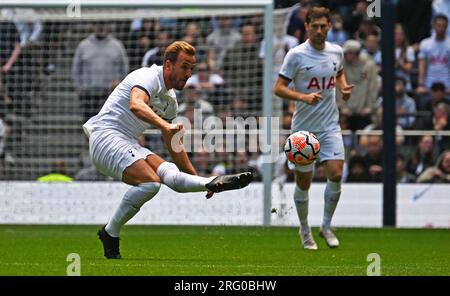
[(143, 99), (315, 69)]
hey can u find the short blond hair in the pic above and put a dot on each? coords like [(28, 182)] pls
[(173, 50)]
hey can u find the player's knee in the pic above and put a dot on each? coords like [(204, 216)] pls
[(145, 192), (150, 187), (165, 168), (300, 196), (336, 177), (303, 184)]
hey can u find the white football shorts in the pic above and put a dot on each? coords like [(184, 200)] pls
[(331, 148), (112, 152)]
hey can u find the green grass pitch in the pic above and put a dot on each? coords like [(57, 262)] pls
[(197, 250)]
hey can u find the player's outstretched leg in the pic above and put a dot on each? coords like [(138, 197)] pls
[(182, 182)]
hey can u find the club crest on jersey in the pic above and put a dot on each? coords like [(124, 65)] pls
[(321, 84)]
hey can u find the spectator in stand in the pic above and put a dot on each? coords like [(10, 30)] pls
[(440, 173), (337, 34), (437, 96), (192, 101), (243, 58), (442, 7), (434, 57), (156, 54), (416, 19), (441, 122), (10, 50), (423, 156), (221, 40), (353, 21), (402, 175), (281, 44), (372, 48), (405, 105), (100, 62), (58, 173), (204, 80), (149, 27), (138, 44), (192, 35), (367, 27), (362, 72), (404, 56), (27, 65), (296, 26), (27, 23), (357, 170), (373, 157)]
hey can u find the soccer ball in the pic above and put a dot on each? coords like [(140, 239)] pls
[(302, 148)]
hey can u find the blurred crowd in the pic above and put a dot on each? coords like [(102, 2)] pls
[(228, 78)]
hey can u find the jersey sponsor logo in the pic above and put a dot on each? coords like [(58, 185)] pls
[(334, 66), (438, 60), (324, 83), (309, 68)]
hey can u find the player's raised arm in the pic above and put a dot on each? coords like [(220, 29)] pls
[(282, 90)]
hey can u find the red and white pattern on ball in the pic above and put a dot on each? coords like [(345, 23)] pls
[(302, 148)]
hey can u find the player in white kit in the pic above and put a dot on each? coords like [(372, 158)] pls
[(143, 99), (309, 75)]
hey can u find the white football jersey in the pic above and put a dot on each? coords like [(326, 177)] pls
[(116, 114), (311, 70)]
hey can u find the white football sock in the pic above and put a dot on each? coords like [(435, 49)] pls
[(179, 181), (132, 201), (301, 199), (332, 195)]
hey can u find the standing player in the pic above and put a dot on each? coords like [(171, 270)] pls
[(143, 99), (315, 70)]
